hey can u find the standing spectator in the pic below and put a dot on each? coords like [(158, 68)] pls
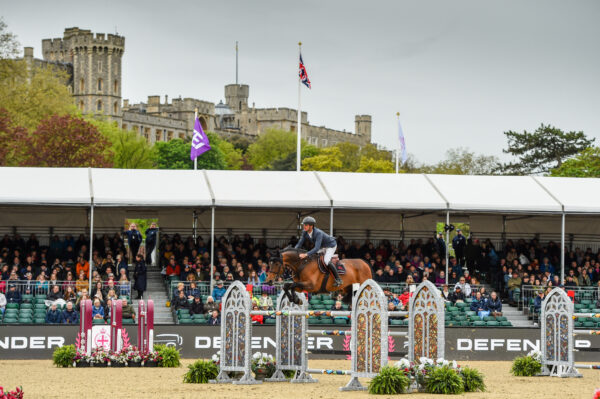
[(127, 310), (140, 276), (70, 315), (134, 239), (218, 291), (151, 235), (440, 245), (514, 286), (54, 315), (210, 305), (215, 319), (121, 264), (197, 307), (537, 302), (459, 243)]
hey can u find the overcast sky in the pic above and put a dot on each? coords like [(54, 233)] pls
[(460, 72)]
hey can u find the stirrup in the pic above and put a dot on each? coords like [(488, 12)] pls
[(338, 282)]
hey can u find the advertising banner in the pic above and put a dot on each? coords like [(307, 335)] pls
[(34, 342)]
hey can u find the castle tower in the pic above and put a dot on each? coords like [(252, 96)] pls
[(362, 126), (236, 97), (96, 61)]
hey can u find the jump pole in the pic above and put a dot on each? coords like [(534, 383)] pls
[(116, 325), (85, 324)]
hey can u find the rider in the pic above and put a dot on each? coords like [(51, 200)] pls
[(323, 242)]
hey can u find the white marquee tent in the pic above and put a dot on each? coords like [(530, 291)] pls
[(237, 200)]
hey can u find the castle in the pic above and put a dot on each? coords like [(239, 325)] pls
[(93, 62)]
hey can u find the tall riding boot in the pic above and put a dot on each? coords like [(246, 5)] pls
[(338, 280)]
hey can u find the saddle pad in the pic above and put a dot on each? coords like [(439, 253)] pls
[(323, 268)]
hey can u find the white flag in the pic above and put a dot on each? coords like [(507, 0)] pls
[(402, 142)]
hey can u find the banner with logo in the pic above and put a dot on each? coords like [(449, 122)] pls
[(33, 342)]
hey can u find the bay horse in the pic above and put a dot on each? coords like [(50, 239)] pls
[(307, 276)]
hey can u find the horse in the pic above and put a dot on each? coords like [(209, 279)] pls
[(308, 277)]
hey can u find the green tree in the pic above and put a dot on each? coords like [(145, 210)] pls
[(461, 161), (271, 146), (371, 151), (129, 150), (370, 165), (349, 156), (12, 139), (175, 154), (585, 164), (9, 46), (289, 162), (542, 150), (233, 156), (327, 161), (66, 141)]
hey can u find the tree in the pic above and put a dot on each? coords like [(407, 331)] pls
[(370, 165), (544, 149), (270, 146), (129, 150), (67, 141), (289, 163), (9, 46), (461, 161), (175, 154), (327, 161), (371, 151), (12, 140), (349, 156), (585, 164), (233, 156)]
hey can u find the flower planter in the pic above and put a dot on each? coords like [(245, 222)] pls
[(151, 363), (261, 374), (100, 365), (134, 364), (117, 364), (82, 364)]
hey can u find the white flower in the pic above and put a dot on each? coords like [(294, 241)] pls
[(536, 355), (454, 364), (215, 358), (403, 363), (257, 355)]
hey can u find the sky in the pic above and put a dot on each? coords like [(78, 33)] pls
[(459, 72)]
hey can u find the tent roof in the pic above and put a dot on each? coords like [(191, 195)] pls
[(261, 189), (381, 191), (505, 194), (144, 187), (578, 195), (45, 186)]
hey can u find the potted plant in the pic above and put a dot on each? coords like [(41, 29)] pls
[(527, 366), (134, 357), (200, 372), (16, 394), (64, 356), (99, 358), (263, 365), (81, 359), (152, 359), (169, 356)]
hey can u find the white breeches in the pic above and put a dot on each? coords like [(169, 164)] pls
[(328, 253)]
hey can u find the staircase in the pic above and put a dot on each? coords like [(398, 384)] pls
[(516, 317), (155, 290)]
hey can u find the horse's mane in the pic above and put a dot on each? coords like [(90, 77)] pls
[(292, 249)]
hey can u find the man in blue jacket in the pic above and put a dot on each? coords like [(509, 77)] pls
[(70, 315), (322, 242), (54, 315), (13, 296)]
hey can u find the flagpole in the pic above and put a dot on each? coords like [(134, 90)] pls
[(195, 117), (299, 113), (398, 145)]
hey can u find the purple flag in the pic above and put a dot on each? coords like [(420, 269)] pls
[(200, 142)]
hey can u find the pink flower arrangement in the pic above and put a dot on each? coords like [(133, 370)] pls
[(16, 394), (597, 394)]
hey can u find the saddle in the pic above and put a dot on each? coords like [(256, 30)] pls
[(325, 270)]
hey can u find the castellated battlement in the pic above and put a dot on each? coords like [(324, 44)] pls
[(83, 39), (281, 113)]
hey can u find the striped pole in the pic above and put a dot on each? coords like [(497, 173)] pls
[(326, 371), (586, 315), (586, 332), (349, 333), (588, 366)]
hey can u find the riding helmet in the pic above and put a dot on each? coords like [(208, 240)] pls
[(309, 220)]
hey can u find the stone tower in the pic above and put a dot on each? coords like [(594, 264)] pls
[(362, 126), (96, 61), (236, 96)]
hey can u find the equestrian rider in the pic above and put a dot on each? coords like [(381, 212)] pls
[(322, 242)]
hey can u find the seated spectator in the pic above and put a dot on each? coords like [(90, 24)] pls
[(98, 290), (215, 319), (180, 288), (405, 297), (464, 286), (392, 308), (70, 315), (537, 302), (193, 291), (479, 304), (265, 301), (457, 295), (446, 293), (127, 310), (257, 319), (514, 286), (110, 295), (440, 279), (254, 279), (81, 283), (97, 310), (197, 307), (84, 296), (173, 269), (181, 302), (219, 291), (70, 295), (53, 316), (494, 304), (453, 278), (123, 285), (2, 303), (108, 310), (210, 305), (82, 266), (54, 294), (570, 282), (13, 296)]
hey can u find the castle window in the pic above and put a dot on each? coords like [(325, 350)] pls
[(99, 105), (115, 108), (99, 84), (81, 85), (81, 105), (99, 66), (116, 88)]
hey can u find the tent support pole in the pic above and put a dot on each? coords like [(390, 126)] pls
[(447, 243), (91, 249), (331, 222), (212, 249), (562, 250)]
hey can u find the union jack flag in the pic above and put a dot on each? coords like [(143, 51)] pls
[(302, 73)]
